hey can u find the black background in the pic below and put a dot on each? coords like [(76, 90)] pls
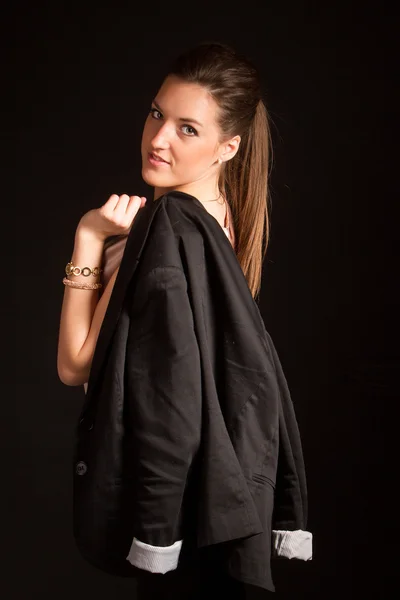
[(84, 78)]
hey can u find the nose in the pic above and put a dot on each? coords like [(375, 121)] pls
[(162, 138)]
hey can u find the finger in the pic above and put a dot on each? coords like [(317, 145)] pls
[(122, 203), (135, 203), (135, 199), (133, 206), (112, 201)]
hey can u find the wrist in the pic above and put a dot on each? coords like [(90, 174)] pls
[(86, 234)]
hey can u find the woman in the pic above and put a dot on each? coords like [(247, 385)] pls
[(205, 140)]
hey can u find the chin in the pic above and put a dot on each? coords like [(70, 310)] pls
[(156, 179)]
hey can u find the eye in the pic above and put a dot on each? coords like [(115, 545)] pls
[(192, 128), (192, 131), (154, 110)]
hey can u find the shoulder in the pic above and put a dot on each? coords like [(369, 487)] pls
[(178, 218)]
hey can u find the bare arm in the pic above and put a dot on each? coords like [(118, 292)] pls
[(83, 311), (85, 356)]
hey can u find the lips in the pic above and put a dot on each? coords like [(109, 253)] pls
[(157, 158)]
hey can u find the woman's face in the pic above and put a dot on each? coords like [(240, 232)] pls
[(181, 128)]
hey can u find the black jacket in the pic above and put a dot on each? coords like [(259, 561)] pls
[(188, 431)]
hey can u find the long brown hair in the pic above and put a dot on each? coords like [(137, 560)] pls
[(233, 83)]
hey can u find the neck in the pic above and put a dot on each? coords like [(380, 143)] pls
[(203, 193)]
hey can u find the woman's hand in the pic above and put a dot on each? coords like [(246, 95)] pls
[(115, 217)]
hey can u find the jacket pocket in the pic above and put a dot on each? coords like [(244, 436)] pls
[(254, 434)]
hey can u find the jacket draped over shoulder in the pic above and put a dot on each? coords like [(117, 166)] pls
[(188, 437)]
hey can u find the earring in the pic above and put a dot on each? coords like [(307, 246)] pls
[(220, 160)]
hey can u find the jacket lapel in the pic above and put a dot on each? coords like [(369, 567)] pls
[(133, 249)]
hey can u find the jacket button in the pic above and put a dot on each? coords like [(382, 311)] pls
[(81, 468)]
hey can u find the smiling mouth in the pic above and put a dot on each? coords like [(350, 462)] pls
[(156, 159)]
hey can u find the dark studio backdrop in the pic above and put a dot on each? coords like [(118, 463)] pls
[(85, 77)]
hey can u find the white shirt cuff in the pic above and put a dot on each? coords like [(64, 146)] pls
[(292, 544), (157, 559)]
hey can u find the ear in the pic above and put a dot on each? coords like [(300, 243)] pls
[(229, 148)]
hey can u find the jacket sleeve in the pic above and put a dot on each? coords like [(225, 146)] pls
[(162, 390), (289, 520)]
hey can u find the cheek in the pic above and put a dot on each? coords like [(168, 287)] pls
[(146, 133), (198, 157), (150, 129)]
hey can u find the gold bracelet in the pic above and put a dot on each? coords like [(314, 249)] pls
[(70, 269), (82, 286)]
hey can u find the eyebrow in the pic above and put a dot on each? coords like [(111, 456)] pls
[(186, 119)]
